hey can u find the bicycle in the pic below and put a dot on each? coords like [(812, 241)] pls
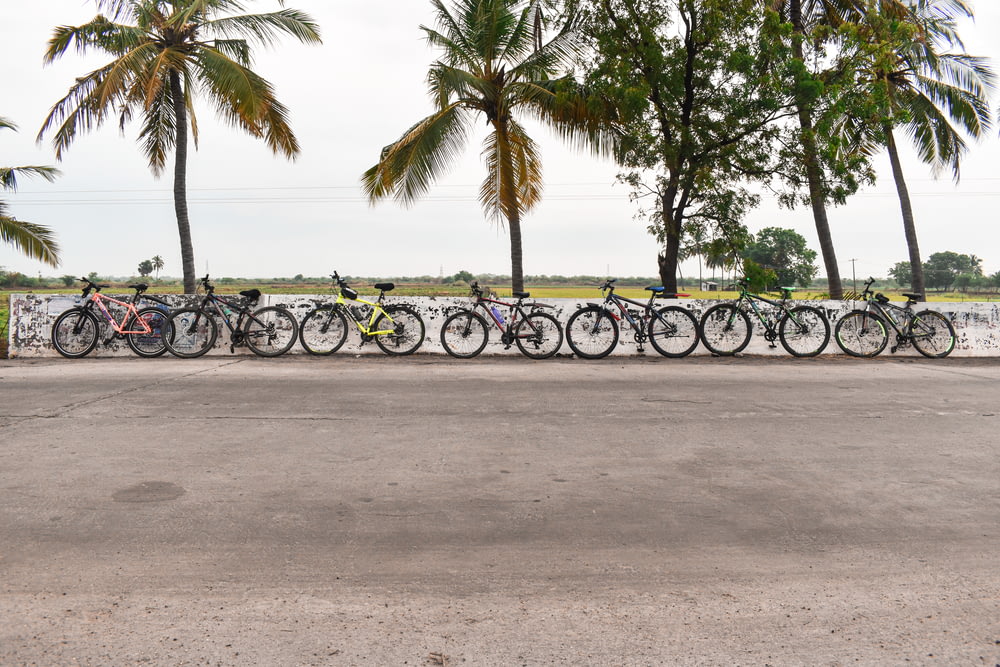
[(397, 329), (537, 335), (76, 331), (593, 330), (864, 332), (268, 331), (804, 331)]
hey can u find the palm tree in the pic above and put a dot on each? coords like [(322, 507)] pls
[(35, 241), (492, 65), (166, 53), (934, 96), (157, 265)]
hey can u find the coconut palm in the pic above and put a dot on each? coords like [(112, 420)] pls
[(35, 241), (157, 265), (933, 94), (492, 66), (164, 53)]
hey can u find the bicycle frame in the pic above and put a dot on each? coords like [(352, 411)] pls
[(747, 298), (130, 310), (508, 327), (376, 311)]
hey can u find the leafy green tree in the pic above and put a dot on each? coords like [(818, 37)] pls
[(759, 278), (901, 273), (922, 86), (493, 65), (699, 106), (942, 269), (67, 280), (786, 253), (34, 240), (167, 53), (145, 267)]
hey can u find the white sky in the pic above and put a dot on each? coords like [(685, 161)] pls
[(256, 215)]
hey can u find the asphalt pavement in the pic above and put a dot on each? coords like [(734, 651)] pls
[(499, 511)]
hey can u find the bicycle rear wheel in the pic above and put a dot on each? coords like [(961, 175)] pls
[(193, 333), (725, 330), (271, 331), (673, 331), (74, 333), (804, 331), (323, 331), (148, 345), (538, 335), (408, 330), (464, 334), (932, 334), (861, 334), (592, 333)]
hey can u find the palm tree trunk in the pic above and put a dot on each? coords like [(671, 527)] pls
[(516, 269), (509, 199), (814, 172), (909, 226), (180, 183)]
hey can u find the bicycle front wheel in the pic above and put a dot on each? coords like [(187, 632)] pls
[(193, 333), (271, 331), (673, 331), (150, 344), (407, 330), (932, 334), (725, 330), (464, 334), (538, 335), (591, 333), (861, 334), (323, 331), (804, 331), (74, 333)]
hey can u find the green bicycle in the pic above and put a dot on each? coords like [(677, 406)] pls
[(396, 329)]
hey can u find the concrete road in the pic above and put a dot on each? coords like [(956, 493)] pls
[(377, 511)]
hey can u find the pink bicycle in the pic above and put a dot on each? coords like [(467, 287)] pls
[(77, 330)]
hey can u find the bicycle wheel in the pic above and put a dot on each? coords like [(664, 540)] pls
[(673, 331), (408, 330), (271, 331), (725, 330), (148, 345), (193, 333), (932, 334), (323, 330), (804, 331), (74, 333), (538, 335), (591, 333), (464, 334), (861, 334)]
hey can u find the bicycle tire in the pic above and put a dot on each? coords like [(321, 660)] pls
[(932, 334), (75, 333), (674, 331), (408, 333), (804, 331), (323, 331), (544, 339), (193, 333), (592, 333), (148, 345), (860, 333), (271, 331), (725, 331), (464, 334)]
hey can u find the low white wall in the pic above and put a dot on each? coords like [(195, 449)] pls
[(977, 325)]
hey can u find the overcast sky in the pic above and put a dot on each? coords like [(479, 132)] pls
[(256, 215)]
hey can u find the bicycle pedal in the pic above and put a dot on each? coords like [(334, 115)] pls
[(892, 350)]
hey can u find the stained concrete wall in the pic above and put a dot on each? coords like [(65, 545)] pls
[(977, 325)]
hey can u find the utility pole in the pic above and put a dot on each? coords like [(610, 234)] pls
[(854, 278)]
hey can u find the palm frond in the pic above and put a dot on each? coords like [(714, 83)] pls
[(8, 175), (582, 118), (35, 241), (100, 34), (265, 29), (513, 183), (408, 166)]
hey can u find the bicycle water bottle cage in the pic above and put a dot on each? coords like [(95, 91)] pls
[(881, 298)]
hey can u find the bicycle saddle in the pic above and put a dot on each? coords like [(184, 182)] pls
[(385, 287), (252, 294), (913, 297), (139, 287), (521, 295)]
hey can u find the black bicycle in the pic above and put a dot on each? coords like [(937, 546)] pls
[(865, 332), (269, 331), (537, 334), (803, 330), (77, 331), (593, 331)]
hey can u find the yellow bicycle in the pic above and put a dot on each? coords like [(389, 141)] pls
[(396, 329)]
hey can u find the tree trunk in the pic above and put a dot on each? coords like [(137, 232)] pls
[(516, 270), (909, 226), (509, 202), (814, 172), (180, 184), (667, 260)]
